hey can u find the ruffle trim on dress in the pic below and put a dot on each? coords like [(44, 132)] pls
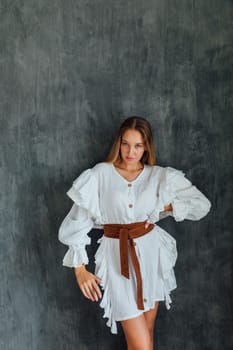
[(101, 272), (168, 300), (167, 257), (84, 192), (168, 252)]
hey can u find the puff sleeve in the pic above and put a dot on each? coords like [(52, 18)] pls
[(187, 201), (80, 219)]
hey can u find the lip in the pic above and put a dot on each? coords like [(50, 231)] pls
[(129, 158)]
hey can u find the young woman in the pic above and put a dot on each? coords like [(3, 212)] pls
[(127, 195)]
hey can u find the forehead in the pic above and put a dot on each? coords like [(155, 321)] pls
[(133, 136)]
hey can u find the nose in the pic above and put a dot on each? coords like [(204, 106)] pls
[(131, 151)]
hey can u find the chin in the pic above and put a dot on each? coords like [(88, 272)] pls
[(131, 160)]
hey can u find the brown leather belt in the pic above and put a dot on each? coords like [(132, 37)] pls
[(125, 233)]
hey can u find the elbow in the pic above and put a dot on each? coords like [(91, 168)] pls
[(62, 232), (206, 206), (203, 209)]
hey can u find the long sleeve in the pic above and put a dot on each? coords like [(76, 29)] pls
[(187, 201), (80, 219), (73, 232)]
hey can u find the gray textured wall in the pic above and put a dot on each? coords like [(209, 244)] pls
[(70, 71)]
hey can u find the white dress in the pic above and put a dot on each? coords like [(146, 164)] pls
[(102, 196)]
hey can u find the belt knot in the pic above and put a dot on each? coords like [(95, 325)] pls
[(126, 233)]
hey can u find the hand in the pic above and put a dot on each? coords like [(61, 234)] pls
[(148, 223), (88, 283), (168, 207)]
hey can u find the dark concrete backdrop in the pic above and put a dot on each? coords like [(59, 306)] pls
[(70, 72)]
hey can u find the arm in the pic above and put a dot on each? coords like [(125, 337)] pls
[(183, 198), (189, 203), (75, 227), (73, 232)]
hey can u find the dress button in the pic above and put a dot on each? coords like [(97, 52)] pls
[(145, 300), (129, 185), (130, 205)]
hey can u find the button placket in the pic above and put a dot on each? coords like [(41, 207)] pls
[(130, 196)]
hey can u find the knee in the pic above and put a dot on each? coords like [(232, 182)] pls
[(144, 344), (151, 339), (151, 333)]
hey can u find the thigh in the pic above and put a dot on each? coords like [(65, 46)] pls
[(150, 317), (136, 333)]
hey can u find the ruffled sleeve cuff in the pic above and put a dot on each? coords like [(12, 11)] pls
[(75, 257), (180, 209)]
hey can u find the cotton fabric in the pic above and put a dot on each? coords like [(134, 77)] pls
[(102, 196)]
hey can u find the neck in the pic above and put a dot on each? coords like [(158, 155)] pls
[(129, 167)]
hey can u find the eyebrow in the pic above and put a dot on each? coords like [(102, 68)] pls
[(137, 143)]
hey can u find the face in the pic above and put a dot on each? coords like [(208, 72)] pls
[(132, 147)]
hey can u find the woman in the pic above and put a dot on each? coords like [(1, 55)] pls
[(127, 195)]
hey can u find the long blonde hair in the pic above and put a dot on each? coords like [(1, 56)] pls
[(143, 126)]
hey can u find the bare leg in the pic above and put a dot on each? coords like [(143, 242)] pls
[(150, 317), (139, 331), (136, 333)]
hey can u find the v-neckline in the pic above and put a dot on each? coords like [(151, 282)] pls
[(124, 179)]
